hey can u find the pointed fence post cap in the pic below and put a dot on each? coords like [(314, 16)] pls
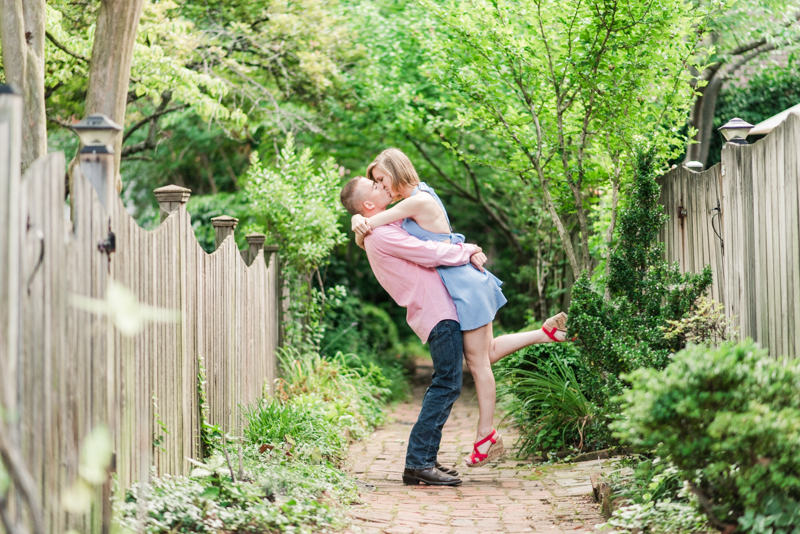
[(172, 193)]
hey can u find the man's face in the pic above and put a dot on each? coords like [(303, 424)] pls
[(376, 194)]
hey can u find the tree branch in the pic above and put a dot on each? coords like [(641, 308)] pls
[(760, 42), (476, 198), (154, 117), (64, 48), (58, 121)]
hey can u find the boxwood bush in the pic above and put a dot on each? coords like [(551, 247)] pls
[(729, 419)]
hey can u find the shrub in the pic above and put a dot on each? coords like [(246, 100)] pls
[(705, 323), (729, 419), (274, 423), (545, 389), (352, 328), (627, 332), (358, 391)]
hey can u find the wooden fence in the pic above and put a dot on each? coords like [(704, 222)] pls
[(742, 217), (71, 370)]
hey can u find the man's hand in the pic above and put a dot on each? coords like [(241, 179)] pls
[(478, 259), (360, 225)]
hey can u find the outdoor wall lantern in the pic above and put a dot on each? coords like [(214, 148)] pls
[(736, 130), (695, 166), (97, 134)]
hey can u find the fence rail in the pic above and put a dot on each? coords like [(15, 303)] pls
[(752, 242), (72, 370)]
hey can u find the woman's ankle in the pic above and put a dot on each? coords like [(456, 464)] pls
[(482, 435)]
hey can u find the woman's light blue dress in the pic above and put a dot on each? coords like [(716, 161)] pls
[(477, 295)]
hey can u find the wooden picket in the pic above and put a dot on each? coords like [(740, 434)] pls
[(74, 370), (756, 259)]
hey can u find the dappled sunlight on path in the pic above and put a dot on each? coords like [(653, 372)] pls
[(504, 496)]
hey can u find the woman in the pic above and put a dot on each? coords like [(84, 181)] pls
[(476, 294)]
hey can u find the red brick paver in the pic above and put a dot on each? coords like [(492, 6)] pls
[(507, 496)]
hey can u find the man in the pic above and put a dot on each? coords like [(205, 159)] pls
[(405, 267)]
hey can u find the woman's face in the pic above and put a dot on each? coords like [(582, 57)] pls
[(382, 177)]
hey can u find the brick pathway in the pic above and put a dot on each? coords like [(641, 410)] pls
[(509, 495)]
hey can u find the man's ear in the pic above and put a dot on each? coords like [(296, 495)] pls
[(369, 205)]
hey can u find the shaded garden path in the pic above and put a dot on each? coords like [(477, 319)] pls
[(504, 496)]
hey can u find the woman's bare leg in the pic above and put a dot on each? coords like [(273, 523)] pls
[(476, 351), (481, 351), (502, 346)]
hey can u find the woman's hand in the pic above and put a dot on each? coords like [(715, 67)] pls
[(360, 225), (477, 260)]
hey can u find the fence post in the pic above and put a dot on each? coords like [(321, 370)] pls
[(224, 226), (170, 198), (256, 242), (97, 133), (10, 168)]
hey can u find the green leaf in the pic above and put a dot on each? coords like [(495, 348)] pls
[(211, 493)]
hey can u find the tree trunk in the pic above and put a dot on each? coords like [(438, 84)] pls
[(110, 71), (613, 224), (22, 32), (703, 118)]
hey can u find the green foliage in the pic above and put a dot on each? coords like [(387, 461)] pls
[(297, 204), (729, 419), (769, 90), (211, 435), (653, 499), (286, 475), (206, 207), (657, 517), (706, 323), (567, 86), (627, 332), (178, 504), (356, 394), (367, 335), (545, 389), (274, 422)]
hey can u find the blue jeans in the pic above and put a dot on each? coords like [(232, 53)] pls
[(447, 353)]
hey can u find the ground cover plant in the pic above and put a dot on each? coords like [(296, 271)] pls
[(544, 387), (285, 473), (649, 496), (728, 418)]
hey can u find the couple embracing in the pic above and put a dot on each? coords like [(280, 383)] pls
[(451, 301)]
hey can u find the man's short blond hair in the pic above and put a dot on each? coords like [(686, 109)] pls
[(397, 166), (351, 198)]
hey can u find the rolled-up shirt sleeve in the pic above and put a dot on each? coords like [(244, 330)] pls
[(394, 241)]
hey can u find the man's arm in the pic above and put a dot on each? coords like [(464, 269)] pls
[(395, 241)]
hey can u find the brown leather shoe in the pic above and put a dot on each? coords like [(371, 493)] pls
[(448, 470), (430, 476)]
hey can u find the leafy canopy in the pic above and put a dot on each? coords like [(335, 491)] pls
[(568, 86)]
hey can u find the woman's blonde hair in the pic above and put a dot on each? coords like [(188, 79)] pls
[(397, 166)]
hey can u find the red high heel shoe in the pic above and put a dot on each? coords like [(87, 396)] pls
[(478, 459), (556, 323)]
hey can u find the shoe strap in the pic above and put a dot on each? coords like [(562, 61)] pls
[(490, 437), (551, 334)]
